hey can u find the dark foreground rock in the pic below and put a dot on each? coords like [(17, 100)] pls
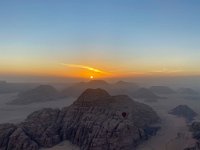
[(95, 121), (195, 129), (184, 111)]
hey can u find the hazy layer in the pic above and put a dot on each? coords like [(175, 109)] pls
[(17, 113), (166, 139)]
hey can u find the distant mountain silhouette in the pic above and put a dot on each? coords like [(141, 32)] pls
[(6, 87), (94, 121), (187, 91), (192, 97), (3, 82), (39, 94), (144, 93), (123, 84), (120, 87), (162, 90), (184, 111), (97, 83), (78, 88)]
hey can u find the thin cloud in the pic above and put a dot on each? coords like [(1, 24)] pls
[(165, 70), (84, 67)]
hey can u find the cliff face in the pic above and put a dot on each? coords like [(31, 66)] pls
[(95, 121)]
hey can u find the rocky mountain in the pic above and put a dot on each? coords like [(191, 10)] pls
[(95, 121), (184, 111), (3, 82), (126, 85), (39, 94), (162, 90), (6, 87), (120, 87), (195, 129), (144, 93), (76, 89), (187, 91)]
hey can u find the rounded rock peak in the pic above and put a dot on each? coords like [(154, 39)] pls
[(93, 94)]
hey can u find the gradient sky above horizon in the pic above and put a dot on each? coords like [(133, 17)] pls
[(117, 37)]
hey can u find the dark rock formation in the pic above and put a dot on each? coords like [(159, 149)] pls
[(195, 129), (144, 93), (6, 131), (162, 90), (39, 94), (184, 111), (95, 121)]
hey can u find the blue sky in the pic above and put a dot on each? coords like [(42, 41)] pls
[(135, 35)]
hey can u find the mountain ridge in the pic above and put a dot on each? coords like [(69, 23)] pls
[(104, 122)]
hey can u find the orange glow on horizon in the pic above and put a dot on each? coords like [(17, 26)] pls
[(86, 72)]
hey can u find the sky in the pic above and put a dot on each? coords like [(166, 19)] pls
[(99, 38)]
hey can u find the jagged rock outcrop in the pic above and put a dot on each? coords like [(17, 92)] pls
[(6, 131), (41, 93), (195, 129), (95, 121), (184, 111)]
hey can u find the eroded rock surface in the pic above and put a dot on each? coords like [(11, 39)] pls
[(195, 129), (95, 121)]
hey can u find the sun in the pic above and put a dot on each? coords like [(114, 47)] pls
[(91, 77)]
